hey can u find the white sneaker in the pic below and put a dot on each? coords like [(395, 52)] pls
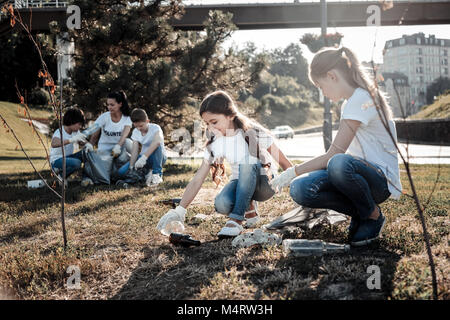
[(156, 179), (86, 182), (148, 178)]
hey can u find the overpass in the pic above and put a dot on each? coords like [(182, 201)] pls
[(248, 16)]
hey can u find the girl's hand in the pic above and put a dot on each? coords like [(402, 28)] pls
[(284, 179), (79, 137), (140, 163), (89, 147), (116, 150)]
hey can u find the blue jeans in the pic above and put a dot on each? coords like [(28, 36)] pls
[(235, 197), (73, 163), (349, 185), (155, 162)]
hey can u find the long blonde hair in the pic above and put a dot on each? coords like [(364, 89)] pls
[(345, 61)]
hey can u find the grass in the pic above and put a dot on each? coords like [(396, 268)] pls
[(113, 240), (12, 158), (438, 109)]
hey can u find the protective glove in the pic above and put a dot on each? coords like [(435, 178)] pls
[(284, 179), (177, 214), (89, 147), (79, 137), (116, 150), (141, 162)]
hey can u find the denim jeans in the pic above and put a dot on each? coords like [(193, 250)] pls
[(155, 162), (235, 197), (73, 163), (349, 185)]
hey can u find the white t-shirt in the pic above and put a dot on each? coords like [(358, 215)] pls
[(147, 139), (235, 150), (111, 131), (56, 153), (372, 142)]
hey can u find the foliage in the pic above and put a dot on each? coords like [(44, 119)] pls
[(317, 42), (133, 47), (436, 88)]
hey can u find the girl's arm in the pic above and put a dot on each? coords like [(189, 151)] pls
[(279, 156), (56, 142), (196, 183), (155, 144), (134, 153), (125, 132), (95, 137), (344, 136)]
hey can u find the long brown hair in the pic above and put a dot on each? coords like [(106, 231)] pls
[(220, 102), (345, 61)]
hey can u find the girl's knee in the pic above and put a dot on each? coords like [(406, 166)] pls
[(300, 192), (338, 166), (223, 205)]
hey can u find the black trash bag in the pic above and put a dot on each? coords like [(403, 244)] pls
[(95, 168), (132, 177)]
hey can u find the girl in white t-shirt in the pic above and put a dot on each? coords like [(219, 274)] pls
[(360, 169), (115, 127), (248, 149), (73, 120)]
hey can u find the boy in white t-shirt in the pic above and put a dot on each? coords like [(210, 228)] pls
[(73, 120), (152, 156)]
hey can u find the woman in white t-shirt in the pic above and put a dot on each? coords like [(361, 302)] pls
[(73, 120), (360, 170), (248, 149), (115, 127)]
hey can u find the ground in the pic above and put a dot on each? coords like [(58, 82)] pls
[(112, 239)]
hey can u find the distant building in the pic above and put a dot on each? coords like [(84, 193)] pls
[(413, 62)]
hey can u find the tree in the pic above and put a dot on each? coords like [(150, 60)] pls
[(436, 88), (133, 47)]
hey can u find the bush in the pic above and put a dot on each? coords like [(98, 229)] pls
[(39, 96)]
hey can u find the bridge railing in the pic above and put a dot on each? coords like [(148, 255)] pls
[(24, 4)]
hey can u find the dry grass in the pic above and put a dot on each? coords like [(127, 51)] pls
[(112, 239)]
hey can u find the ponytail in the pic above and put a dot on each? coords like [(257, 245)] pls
[(345, 61)]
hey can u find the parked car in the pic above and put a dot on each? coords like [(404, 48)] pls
[(283, 132)]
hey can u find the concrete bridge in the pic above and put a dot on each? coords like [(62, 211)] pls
[(247, 16)]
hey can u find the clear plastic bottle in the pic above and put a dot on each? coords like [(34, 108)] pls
[(173, 226), (303, 247), (89, 131)]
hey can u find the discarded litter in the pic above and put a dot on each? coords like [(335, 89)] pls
[(257, 237), (33, 184), (174, 202), (306, 218), (183, 240), (304, 247), (173, 226)]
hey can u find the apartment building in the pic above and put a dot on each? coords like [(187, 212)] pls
[(412, 63)]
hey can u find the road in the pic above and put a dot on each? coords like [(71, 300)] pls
[(308, 146)]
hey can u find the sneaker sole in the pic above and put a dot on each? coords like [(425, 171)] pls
[(368, 241)]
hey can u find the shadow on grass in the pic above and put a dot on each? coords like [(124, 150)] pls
[(168, 272)]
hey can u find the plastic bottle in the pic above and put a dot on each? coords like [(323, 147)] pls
[(303, 247), (174, 226), (183, 240), (89, 131)]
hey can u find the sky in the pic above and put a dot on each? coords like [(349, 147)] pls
[(360, 39)]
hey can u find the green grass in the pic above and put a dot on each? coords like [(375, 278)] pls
[(439, 109), (12, 158), (113, 240)]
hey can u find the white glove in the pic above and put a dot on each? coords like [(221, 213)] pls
[(141, 162), (284, 179), (79, 137), (116, 150), (89, 147), (177, 214)]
